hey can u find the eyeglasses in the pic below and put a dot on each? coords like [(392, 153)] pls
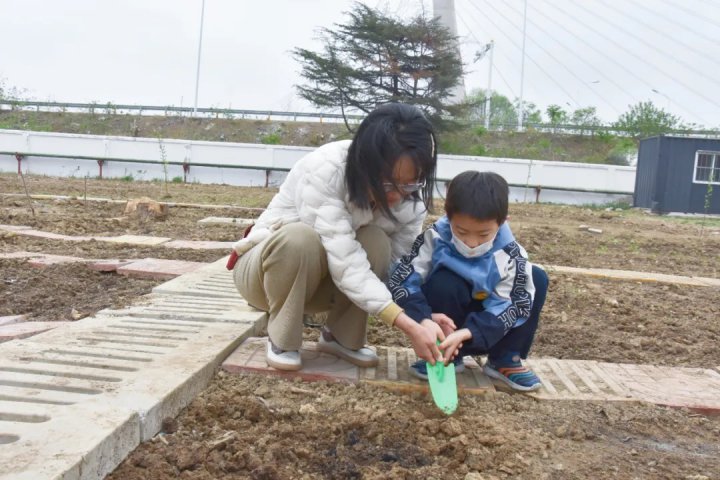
[(407, 188)]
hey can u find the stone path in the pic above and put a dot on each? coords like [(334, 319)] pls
[(141, 240), (211, 245), (76, 400), (694, 388)]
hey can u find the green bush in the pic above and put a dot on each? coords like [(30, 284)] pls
[(270, 139), (478, 150)]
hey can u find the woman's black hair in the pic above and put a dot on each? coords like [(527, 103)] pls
[(481, 195), (388, 132)]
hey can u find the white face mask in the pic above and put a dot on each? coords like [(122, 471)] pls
[(468, 252)]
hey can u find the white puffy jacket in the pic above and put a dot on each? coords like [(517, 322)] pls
[(315, 193)]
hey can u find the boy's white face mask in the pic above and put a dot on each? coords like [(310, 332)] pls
[(468, 252)]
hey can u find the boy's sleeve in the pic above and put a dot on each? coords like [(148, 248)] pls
[(509, 303), (410, 273)]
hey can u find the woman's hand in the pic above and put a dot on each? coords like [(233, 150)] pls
[(423, 337), (452, 344), (446, 323)]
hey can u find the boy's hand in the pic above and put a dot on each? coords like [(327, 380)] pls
[(446, 323), (452, 344)]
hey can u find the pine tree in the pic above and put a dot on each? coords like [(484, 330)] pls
[(374, 59)]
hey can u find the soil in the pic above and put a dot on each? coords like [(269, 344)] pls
[(268, 428)]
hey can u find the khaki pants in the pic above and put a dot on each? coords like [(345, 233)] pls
[(287, 275)]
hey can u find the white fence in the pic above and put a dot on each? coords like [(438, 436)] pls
[(76, 155)]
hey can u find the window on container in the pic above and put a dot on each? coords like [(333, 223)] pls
[(707, 167)]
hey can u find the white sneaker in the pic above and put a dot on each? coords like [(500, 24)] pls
[(363, 357), (282, 360)]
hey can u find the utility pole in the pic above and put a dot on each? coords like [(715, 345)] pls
[(197, 70), (522, 70), (488, 94), (445, 9)]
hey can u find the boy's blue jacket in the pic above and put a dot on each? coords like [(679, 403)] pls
[(501, 279)]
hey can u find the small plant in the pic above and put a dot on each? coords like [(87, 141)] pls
[(480, 131), (127, 178), (708, 200), (478, 150), (270, 139), (178, 179), (163, 157)]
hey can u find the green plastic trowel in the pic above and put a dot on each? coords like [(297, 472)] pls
[(443, 386)]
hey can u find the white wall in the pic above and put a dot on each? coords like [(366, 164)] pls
[(519, 172)]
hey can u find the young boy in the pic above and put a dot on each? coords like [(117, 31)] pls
[(468, 274)]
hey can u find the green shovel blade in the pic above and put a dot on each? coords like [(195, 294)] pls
[(443, 386)]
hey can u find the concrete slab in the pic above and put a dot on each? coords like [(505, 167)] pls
[(213, 280), (250, 357), (20, 255), (15, 228), (11, 319), (134, 240), (47, 260), (51, 236), (637, 276), (109, 265), (199, 245), (15, 331), (577, 380), (694, 388), (226, 220), (158, 268), (119, 375), (75, 443)]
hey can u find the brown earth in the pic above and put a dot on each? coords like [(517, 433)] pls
[(257, 427)]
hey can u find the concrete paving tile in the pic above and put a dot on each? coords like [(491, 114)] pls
[(20, 255), (15, 228), (109, 265), (199, 244), (158, 268), (637, 276), (27, 329), (392, 371), (10, 319), (74, 444), (213, 280), (225, 220), (134, 240), (47, 260), (317, 366)]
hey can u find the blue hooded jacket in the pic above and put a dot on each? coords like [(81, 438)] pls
[(501, 278)]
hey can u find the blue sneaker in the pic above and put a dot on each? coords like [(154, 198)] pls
[(513, 373), (419, 368)]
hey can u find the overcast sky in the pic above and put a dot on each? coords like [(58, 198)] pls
[(603, 53)]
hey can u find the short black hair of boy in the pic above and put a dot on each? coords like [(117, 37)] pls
[(388, 132), (481, 195)]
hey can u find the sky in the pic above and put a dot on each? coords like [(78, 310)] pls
[(609, 54)]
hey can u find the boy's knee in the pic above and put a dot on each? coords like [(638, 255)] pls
[(540, 278), (377, 246), (447, 284)]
